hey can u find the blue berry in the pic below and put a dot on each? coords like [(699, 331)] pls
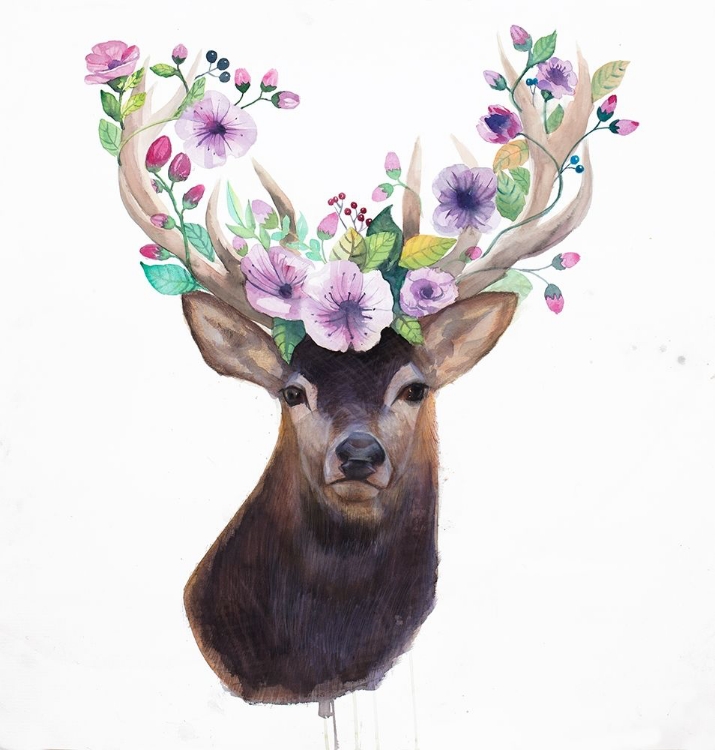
[(580, 168), (223, 63), (575, 160), (225, 77), (212, 56)]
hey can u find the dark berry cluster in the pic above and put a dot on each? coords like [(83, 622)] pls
[(355, 213), (531, 81), (220, 64)]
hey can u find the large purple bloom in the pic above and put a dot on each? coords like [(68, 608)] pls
[(214, 128), (557, 76), (274, 281), (345, 308), (466, 199), (426, 291)]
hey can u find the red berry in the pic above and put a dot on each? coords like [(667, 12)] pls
[(330, 201), (368, 221), (361, 217), (335, 199), (363, 210), (353, 205), (348, 212), (341, 196)]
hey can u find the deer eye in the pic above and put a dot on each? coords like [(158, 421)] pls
[(293, 395), (414, 392)]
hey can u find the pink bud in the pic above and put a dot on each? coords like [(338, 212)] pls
[(193, 196), (162, 221), (473, 252), (623, 127), (554, 298), (261, 210), (180, 168), (392, 165), (154, 252), (156, 186), (270, 80), (609, 106), (239, 245), (285, 100), (158, 154), (569, 260), (520, 38), (328, 226), (242, 80), (179, 54), (382, 192)]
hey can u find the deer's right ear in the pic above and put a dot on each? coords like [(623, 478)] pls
[(233, 345)]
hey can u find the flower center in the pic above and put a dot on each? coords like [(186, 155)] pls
[(557, 76), (466, 199), (285, 291), (428, 292), (497, 123), (216, 128), (113, 64)]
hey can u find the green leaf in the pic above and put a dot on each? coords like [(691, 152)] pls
[(512, 281), (555, 119), (110, 136), (285, 225), (351, 246), (134, 103), (384, 222), (301, 228), (200, 239), (245, 232), (134, 79), (265, 238), (379, 247), (510, 197), (409, 328), (522, 177), (170, 279), (234, 204), (164, 70), (424, 250), (608, 78), (196, 94), (110, 105), (250, 219), (117, 84), (544, 48), (287, 334), (511, 155)]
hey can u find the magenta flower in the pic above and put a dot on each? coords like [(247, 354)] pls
[(427, 290), (495, 80), (110, 60), (180, 168), (345, 308), (179, 54), (554, 298), (623, 127), (382, 192), (154, 252), (393, 168), (163, 221), (192, 197), (242, 80), (466, 199), (328, 226), (473, 252), (521, 39), (607, 108), (274, 281), (213, 129), (269, 82), (565, 260), (158, 154), (557, 77), (500, 125), (285, 100)]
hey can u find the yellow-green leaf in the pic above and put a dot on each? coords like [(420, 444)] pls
[(511, 155), (134, 103), (351, 246), (424, 250), (379, 246), (607, 78), (555, 119), (409, 328), (510, 197)]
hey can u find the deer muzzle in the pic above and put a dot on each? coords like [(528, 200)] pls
[(360, 455)]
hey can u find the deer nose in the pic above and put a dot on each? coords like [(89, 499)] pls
[(359, 454)]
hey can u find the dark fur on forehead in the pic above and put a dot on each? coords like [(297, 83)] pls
[(352, 377)]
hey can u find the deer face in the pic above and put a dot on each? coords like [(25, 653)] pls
[(361, 421)]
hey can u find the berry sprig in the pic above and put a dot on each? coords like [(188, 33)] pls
[(355, 214), (218, 67)]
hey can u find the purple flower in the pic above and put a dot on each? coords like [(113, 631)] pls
[(500, 125), (179, 54), (285, 100), (427, 290), (274, 281), (554, 298), (192, 197), (557, 77), (495, 80), (158, 154), (623, 127), (382, 192), (214, 128), (110, 60), (521, 39), (328, 227), (345, 308), (466, 199), (180, 168), (242, 80), (565, 260)]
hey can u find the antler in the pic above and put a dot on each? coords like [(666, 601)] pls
[(535, 234), (224, 278)]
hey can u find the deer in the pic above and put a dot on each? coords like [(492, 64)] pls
[(323, 577)]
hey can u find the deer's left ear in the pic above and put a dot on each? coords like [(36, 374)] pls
[(457, 337)]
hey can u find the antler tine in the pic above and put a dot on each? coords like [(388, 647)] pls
[(279, 198), (411, 206)]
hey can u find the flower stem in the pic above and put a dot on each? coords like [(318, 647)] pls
[(546, 129), (180, 216), (182, 79), (580, 140), (512, 90), (259, 99), (240, 98), (146, 127)]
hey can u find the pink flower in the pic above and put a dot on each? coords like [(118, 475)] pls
[(554, 298), (269, 82), (473, 252), (382, 192), (495, 80), (242, 80), (154, 252), (623, 127), (180, 168), (274, 281), (110, 60), (392, 166), (285, 100), (213, 129), (158, 154), (565, 260), (607, 108), (500, 125), (427, 290), (193, 196), (521, 39), (179, 54), (345, 308), (328, 226), (163, 221), (557, 77), (261, 211)]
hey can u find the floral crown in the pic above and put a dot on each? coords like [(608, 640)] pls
[(354, 276)]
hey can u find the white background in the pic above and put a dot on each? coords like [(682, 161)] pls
[(577, 581)]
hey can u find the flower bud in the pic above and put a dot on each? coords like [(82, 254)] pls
[(554, 298), (239, 245), (264, 214), (242, 80), (285, 100), (154, 252), (163, 221), (520, 38), (179, 54), (606, 110), (156, 186), (473, 252), (565, 260), (193, 197), (180, 168), (382, 192), (623, 127), (495, 80), (158, 154), (269, 82), (392, 166), (328, 226)]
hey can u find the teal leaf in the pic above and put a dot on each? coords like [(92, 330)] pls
[(522, 177), (301, 228), (512, 281), (110, 105), (134, 103), (110, 136), (163, 70), (555, 119), (170, 278), (234, 204), (250, 219), (510, 197), (200, 239), (544, 48), (265, 238), (409, 328), (287, 334)]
